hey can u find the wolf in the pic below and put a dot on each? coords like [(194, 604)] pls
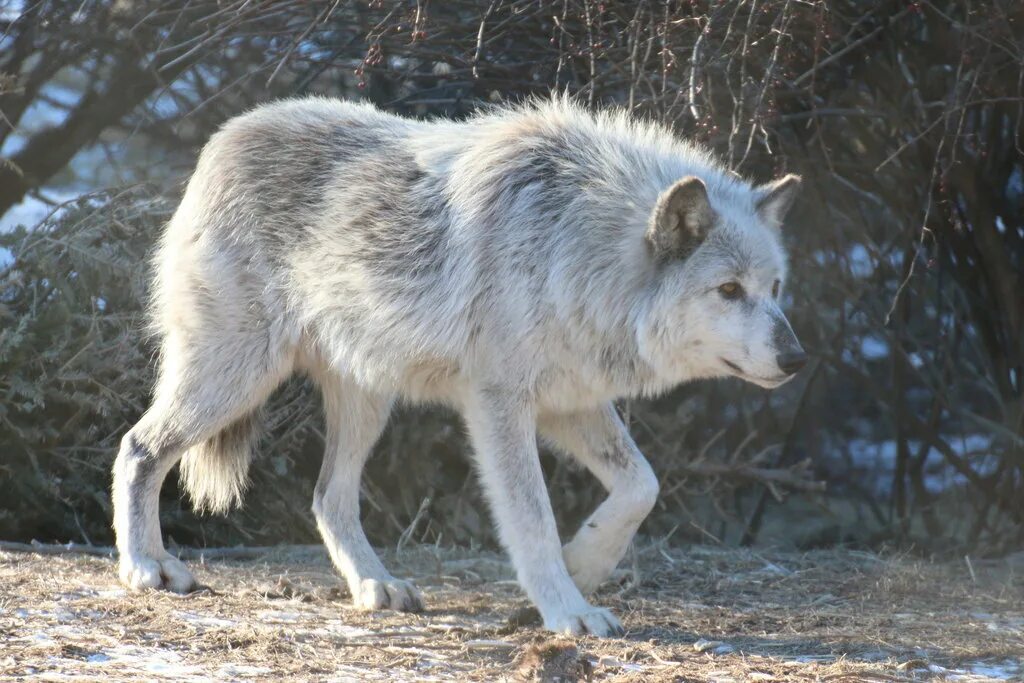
[(527, 266)]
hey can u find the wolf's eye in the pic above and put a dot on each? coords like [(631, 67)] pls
[(731, 290), (775, 289)]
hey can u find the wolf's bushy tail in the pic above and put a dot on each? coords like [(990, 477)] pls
[(215, 472)]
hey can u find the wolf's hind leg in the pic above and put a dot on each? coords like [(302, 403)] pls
[(204, 388), (355, 419), (147, 454), (601, 442)]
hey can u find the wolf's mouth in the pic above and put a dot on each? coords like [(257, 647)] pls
[(766, 382), (733, 366)]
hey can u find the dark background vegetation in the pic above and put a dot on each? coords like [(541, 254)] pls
[(905, 119)]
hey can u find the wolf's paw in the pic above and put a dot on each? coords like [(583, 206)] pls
[(167, 573), (593, 621), (388, 594)]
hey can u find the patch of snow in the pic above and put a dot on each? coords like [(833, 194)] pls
[(355, 674), (243, 670), (814, 659), (720, 677), (772, 568), (1007, 624), (1006, 670), (203, 620), (693, 606), (971, 672), (336, 627), (280, 617), (151, 660), (43, 639), (65, 616), (614, 663), (145, 662)]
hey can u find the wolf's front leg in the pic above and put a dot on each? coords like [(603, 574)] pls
[(602, 443), (502, 426)]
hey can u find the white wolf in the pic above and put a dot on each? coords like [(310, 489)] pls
[(527, 266)]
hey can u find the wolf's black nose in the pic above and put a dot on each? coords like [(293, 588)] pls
[(791, 361)]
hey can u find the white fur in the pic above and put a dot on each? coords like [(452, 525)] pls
[(520, 266)]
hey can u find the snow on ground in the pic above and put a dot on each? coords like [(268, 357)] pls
[(696, 613)]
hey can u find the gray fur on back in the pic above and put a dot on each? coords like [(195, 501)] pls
[(414, 254)]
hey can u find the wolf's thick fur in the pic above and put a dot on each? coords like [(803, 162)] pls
[(527, 266)]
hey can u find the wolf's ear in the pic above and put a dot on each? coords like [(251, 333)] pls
[(775, 199), (681, 219)]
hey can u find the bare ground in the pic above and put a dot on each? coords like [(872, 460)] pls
[(695, 614)]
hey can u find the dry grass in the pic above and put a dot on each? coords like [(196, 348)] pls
[(696, 614)]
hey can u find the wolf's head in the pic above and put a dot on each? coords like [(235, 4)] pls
[(720, 271)]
